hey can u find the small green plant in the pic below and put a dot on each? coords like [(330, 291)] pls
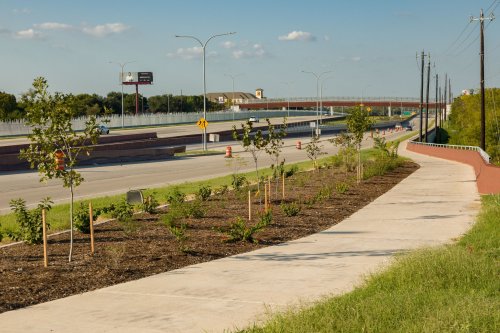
[(193, 209), (172, 217), (30, 221), (221, 190), (122, 211), (291, 209), (150, 204), (176, 197), (82, 218), (179, 232), (342, 187), (238, 181), (239, 231), (204, 193), (314, 151), (324, 193), (291, 171)]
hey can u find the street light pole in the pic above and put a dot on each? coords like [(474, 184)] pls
[(317, 95), (122, 65), (203, 46), (232, 100)]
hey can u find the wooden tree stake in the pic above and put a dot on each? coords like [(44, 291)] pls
[(44, 235), (265, 197), (91, 224), (283, 186), (249, 205)]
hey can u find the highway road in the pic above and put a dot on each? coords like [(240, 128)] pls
[(114, 179)]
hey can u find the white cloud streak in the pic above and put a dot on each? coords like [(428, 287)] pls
[(103, 30), (53, 26), (300, 36), (28, 34)]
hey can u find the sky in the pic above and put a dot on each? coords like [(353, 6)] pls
[(367, 47)]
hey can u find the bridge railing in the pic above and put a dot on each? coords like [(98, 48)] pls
[(334, 98)]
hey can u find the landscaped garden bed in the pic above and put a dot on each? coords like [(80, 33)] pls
[(153, 243)]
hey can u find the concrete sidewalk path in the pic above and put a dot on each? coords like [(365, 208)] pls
[(434, 205)]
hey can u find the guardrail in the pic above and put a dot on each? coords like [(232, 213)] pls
[(481, 152), (334, 98)]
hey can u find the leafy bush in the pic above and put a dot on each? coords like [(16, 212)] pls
[(193, 209), (238, 181), (30, 222), (380, 166), (238, 230), (172, 217), (82, 218), (204, 193), (122, 211), (291, 171), (342, 187), (176, 197), (150, 204), (324, 193), (291, 209), (221, 190)]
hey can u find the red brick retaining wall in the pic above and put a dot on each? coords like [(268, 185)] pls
[(487, 175)]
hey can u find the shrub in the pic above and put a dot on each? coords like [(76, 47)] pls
[(291, 209), (82, 218), (221, 190), (238, 181), (291, 171), (172, 217), (193, 209), (238, 230), (204, 193), (341, 187), (30, 222), (122, 211), (380, 166), (176, 197), (150, 204)]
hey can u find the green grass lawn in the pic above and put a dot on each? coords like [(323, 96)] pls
[(451, 288)]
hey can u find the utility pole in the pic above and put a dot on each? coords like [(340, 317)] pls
[(422, 55), (436, 124), (427, 97), (445, 100), (481, 54)]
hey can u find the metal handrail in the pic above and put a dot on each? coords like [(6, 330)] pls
[(335, 98), (481, 152)]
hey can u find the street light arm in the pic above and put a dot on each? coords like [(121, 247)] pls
[(192, 37), (218, 35)]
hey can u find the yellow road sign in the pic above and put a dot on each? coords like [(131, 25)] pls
[(202, 123), (369, 109)]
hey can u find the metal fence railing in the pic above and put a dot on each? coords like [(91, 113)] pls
[(481, 152)]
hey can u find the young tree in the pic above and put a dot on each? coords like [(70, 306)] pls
[(275, 145), (313, 151), (252, 143), (49, 117), (358, 122), (347, 149)]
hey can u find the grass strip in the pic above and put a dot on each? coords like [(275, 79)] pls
[(451, 288)]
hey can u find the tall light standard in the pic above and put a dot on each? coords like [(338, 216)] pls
[(232, 100), (122, 65), (318, 76), (321, 95), (203, 46)]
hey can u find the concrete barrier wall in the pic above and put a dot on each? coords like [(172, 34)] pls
[(487, 175)]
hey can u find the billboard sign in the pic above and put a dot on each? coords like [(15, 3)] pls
[(137, 77)]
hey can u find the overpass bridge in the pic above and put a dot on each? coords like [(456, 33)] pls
[(385, 105)]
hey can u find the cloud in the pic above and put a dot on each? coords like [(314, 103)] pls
[(28, 34), (228, 45), (21, 11), (326, 38), (356, 59), (190, 53), (4, 31), (298, 36), (257, 51), (103, 30), (53, 26)]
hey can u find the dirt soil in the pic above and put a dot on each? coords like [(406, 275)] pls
[(125, 252)]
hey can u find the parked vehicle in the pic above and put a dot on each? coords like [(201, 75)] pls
[(253, 119), (103, 129)]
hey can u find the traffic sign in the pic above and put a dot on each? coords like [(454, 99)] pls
[(202, 123)]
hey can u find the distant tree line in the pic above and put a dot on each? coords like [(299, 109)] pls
[(464, 126), (93, 104)]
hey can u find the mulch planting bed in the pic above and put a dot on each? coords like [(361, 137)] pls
[(146, 246)]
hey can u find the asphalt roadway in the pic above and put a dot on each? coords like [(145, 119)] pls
[(116, 178), (428, 208)]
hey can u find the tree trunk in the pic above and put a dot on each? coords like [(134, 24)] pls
[(71, 222)]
